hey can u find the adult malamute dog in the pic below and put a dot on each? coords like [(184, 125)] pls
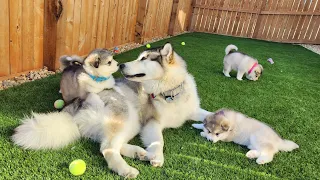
[(163, 75), (113, 117), (242, 63)]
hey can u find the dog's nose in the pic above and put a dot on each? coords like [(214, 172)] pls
[(122, 66)]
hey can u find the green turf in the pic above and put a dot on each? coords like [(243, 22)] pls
[(286, 97)]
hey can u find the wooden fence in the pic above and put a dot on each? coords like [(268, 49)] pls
[(34, 33), (290, 21)]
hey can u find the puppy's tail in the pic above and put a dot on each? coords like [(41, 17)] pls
[(66, 61), (287, 145), (230, 47), (46, 131)]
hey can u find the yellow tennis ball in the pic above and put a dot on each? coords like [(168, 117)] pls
[(77, 167), (183, 43), (148, 46), (58, 104)]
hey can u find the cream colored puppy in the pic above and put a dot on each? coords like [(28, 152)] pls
[(242, 63), (228, 125)]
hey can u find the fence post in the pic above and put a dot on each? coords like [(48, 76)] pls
[(52, 12), (258, 22), (141, 14), (173, 17), (191, 12)]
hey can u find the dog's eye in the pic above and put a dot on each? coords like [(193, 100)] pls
[(143, 58), (208, 130), (109, 63), (217, 134)]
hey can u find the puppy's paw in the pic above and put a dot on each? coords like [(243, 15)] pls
[(129, 172), (252, 154), (209, 137), (240, 79), (141, 154), (264, 159), (203, 134), (156, 160)]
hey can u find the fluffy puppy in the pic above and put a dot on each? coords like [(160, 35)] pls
[(242, 63), (228, 125), (91, 74)]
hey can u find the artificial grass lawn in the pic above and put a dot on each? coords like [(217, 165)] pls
[(286, 97)]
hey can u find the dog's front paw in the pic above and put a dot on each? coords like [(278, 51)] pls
[(240, 79), (209, 137), (156, 160), (129, 172), (264, 159), (252, 154), (203, 134), (141, 154)]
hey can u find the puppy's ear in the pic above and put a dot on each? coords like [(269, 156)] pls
[(261, 68), (167, 51), (225, 125), (205, 121)]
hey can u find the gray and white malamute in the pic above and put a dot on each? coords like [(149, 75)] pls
[(173, 92), (163, 95)]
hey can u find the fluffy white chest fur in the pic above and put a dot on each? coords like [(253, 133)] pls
[(174, 113)]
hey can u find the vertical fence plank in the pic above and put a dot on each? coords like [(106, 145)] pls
[(95, 20), (76, 25), (15, 36), (112, 20), (4, 38), (173, 17), (50, 34), (133, 20), (69, 10), (141, 18), (38, 33), (107, 28), (27, 35)]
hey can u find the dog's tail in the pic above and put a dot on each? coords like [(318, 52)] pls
[(46, 131), (287, 145), (66, 61), (230, 47)]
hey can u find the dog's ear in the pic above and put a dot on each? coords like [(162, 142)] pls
[(205, 121), (167, 51), (225, 125), (261, 68)]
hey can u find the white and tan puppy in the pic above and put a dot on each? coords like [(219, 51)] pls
[(228, 125), (242, 63)]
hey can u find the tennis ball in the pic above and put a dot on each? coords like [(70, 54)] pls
[(148, 46), (58, 104), (183, 43), (77, 167)]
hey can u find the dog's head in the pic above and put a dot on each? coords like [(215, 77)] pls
[(255, 73), (217, 125), (100, 62), (154, 64)]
